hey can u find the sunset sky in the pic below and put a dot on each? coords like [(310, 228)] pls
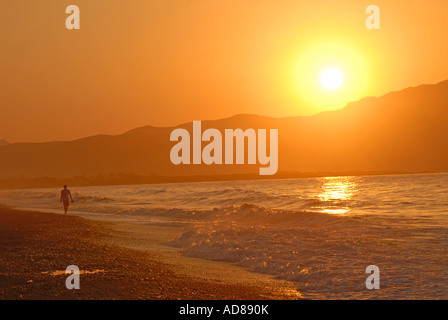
[(136, 63)]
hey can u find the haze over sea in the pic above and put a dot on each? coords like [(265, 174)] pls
[(320, 233)]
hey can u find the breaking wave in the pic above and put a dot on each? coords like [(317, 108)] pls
[(321, 233)]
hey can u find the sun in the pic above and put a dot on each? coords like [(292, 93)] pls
[(331, 78), (328, 75)]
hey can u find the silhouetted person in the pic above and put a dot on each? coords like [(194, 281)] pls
[(65, 194)]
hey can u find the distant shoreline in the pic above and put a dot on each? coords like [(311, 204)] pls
[(130, 179)]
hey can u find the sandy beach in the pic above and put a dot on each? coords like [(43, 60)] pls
[(117, 261)]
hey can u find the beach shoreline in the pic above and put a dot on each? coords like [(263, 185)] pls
[(117, 261)]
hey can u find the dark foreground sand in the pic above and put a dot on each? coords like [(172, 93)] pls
[(36, 247)]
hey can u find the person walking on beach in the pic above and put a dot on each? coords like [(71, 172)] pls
[(65, 194)]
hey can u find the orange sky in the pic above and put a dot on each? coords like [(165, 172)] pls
[(135, 63)]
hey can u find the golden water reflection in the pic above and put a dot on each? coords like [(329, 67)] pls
[(336, 194)]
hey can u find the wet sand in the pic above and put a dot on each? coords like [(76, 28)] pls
[(117, 261)]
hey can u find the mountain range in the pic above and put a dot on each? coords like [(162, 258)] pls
[(404, 131)]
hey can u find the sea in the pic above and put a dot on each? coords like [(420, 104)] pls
[(322, 234)]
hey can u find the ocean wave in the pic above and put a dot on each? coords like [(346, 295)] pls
[(78, 197), (275, 242), (325, 255)]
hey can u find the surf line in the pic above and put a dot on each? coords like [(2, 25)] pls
[(212, 153)]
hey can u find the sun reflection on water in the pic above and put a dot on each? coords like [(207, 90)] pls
[(336, 194)]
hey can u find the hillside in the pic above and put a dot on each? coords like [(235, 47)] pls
[(401, 131)]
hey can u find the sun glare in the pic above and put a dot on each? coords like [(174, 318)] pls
[(329, 75), (331, 79)]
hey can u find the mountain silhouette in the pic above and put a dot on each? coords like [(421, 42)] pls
[(401, 131)]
